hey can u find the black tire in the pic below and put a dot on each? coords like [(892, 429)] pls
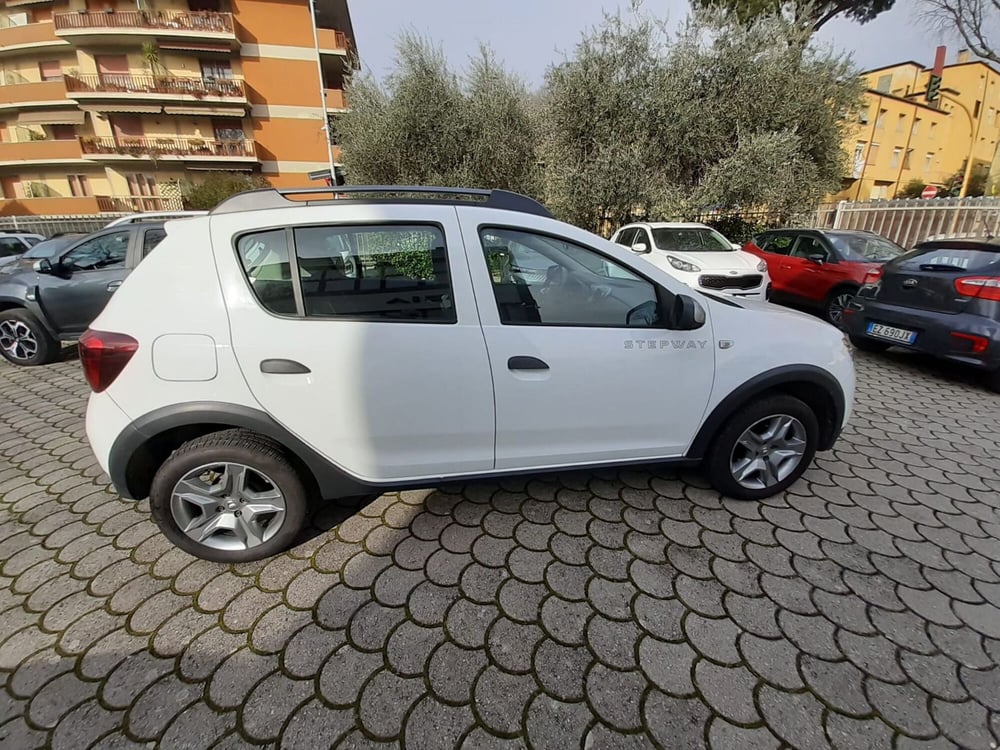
[(24, 340), (867, 345), (721, 453), (834, 305), (238, 447)]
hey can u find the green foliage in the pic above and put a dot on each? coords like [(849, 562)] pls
[(912, 189), (809, 15), (429, 126), (217, 186), (402, 253), (638, 124)]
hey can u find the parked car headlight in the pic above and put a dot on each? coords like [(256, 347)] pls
[(762, 266), (683, 265)]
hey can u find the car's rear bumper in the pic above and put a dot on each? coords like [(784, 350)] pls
[(934, 331)]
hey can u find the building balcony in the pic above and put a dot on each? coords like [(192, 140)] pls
[(335, 101), (20, 39), (25, 95), (332, 42), (123, 26), (49, 206), (167, 149), (136, 203), (114, 87), (31, 153)]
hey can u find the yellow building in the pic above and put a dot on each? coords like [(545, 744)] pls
[(109, 106), (900, 137)]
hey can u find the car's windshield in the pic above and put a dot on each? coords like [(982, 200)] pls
[(49, 248), (691, 240), (861, 247)]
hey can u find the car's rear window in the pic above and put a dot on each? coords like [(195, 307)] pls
[(865, 248), (938, 257)]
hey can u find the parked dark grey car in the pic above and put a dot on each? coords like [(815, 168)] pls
[(941, 298), (55, 292)]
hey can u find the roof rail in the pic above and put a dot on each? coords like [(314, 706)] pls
[(266, 198)]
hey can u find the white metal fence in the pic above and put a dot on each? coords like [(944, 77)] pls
[(908, 222), (51, 225)]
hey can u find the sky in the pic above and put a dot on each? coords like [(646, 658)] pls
[(529, 35)]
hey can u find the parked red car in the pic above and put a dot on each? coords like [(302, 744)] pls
[(818, 268)]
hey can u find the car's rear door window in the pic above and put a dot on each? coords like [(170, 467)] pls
[(264, 256), (151, 239), (779, 244)]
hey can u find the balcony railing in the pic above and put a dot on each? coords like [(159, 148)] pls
[(224, 88), (49, 150), (166, 147), (331, 39), (14, 38), (202, 21), (33, 93), (334, 99), (136, 203)]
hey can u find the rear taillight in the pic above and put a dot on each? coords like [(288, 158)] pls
[(104, 355), (980, 287), (873, 276)]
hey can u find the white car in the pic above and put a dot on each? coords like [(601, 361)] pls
[(699, 256), (243, 367), (15, 244)]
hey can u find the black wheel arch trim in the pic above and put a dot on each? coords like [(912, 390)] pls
[(788, 375), (226, 416)]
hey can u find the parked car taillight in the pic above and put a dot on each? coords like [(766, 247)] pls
[(104, 355), (873, 276), (980, 287)]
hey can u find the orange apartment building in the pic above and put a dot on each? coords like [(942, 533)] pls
[(901, 137), (112, 105)]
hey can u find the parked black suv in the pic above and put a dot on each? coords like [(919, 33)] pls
[(45, 300), (942, 298)]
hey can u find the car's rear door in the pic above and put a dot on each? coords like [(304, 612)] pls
[(774, 249), (356, 328), (580, 374), (805, 277)]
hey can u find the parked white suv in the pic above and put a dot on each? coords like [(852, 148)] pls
[(699, 256), (246, 365)]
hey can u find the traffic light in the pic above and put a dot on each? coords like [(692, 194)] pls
[(933, 88)]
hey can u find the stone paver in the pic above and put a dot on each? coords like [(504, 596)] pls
[(629, 608)]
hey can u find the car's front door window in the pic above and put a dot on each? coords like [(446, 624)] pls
[(543, 280), (807, 247), (11, 246), (105, 251)]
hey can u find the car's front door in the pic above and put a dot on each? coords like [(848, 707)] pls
[(83, 280), (583, 371), (775, 249), (807, 277), (356, 328)]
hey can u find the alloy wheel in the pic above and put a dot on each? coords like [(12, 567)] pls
[(17, 340), (835, 310), (768, 452), (227, 506)]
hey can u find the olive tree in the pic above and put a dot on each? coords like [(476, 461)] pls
[(721, 114), (427, 125), (808, 15)]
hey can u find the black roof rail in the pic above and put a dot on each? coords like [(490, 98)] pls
[(266, 198)]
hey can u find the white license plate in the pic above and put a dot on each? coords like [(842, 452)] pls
[(899, 335)]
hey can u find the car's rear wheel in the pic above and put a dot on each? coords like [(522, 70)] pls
[(839, 299), (24, 340), (763, 448), (229, 497), (867, 345)]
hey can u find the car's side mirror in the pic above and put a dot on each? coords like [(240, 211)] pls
[(640, 247), (43, 265), (686, 314), (817, 259)]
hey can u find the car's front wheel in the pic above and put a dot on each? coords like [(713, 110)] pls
[(229, 497), (24, 340), (763, 448)]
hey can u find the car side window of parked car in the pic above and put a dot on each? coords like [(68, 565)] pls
[(808, 246), (11, 246), (151, 239), (104, 251), (379, 273), (627, 237), (264, 256), (567, 285), (779, 244)]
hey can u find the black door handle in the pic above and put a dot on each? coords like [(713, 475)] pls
[(283, 367), (526, 363)]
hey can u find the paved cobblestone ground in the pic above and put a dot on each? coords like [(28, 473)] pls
[(615, 609)]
